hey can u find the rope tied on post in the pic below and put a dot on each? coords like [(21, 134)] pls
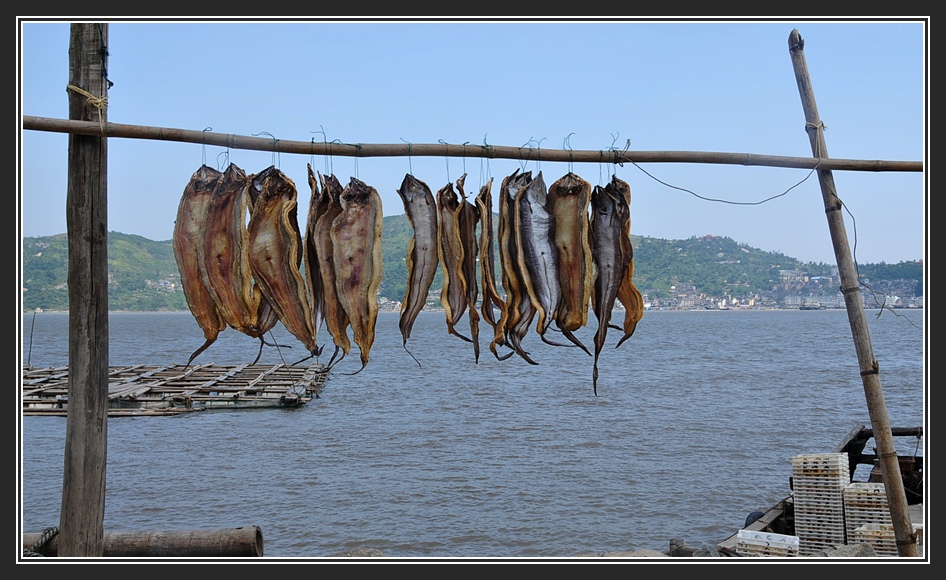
[(100, 103), (35, 551)]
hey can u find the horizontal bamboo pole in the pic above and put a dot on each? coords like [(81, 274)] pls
[(455, 150), (228, 542)]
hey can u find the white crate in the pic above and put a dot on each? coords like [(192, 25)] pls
[(865, 503), (766, 544), (883, 539), (818, 482)]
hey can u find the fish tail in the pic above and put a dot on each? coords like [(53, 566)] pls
[(412, 354), (202, 348)]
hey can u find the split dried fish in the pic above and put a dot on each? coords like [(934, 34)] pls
[(356, 245), (188, 231), (568, 201), (275, 253)]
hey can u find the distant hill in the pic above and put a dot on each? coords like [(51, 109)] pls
[(143, 274)]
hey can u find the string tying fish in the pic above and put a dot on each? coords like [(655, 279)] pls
[(566, 144), (99, 103), (203, 146), (410, 165), (446, 156)]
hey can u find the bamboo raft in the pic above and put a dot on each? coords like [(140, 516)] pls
[(176, 389)]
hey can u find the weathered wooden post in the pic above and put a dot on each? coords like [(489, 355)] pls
[(870, 370), (83, 482)]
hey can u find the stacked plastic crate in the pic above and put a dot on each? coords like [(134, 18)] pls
[(818, 482), (867, 517)]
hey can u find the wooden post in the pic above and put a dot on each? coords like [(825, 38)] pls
[(83, 483), (870, 369)]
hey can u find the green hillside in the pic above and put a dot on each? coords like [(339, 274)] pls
[(143, 274)]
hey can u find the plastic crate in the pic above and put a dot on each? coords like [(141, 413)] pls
[(766, 544)]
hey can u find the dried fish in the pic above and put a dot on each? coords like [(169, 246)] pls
[(628, 294), (608, 215), (538, 256), (491, 297), (224, 264), (467, 218), (356, 245), (188, 230), (275, 253), (310, 253), (519, 307), (568, 201), (422, 250), (450, 254), (335, 317)]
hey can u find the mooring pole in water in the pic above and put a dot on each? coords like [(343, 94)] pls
[(83, 479), (870, 370)]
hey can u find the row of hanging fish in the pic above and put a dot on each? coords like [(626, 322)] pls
[(240, 252), (561, 250)]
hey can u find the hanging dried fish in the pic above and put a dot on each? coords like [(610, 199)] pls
[(422, 250), (568, 201), (275, 253), (628, 294), (467, 218), (310, 253), (335, 317), (608, 215), (491, 297), (450, 254), (519, 307), (356, 245), (538, 256), (188, 228), (224, 262)]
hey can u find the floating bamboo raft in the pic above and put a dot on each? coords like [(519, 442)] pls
[(176, 389)]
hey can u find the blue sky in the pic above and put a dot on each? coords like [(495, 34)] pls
[(675, 85)]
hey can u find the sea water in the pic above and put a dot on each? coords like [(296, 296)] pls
[(695, 421)]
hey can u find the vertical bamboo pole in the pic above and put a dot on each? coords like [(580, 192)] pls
[(870, 369), (83, 484)]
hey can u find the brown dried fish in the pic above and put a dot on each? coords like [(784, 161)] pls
[(356, 240), (224, 263), (275, 253), (628, 294), (519, 307), (491, 297), (422, 250), (310, 252), (568, 201), (335, 317), (467, 219), (450, 254), (188, 230)]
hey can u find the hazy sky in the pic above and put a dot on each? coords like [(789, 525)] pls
[(666, 86)]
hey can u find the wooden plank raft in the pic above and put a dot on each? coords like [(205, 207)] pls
[(175, 389)]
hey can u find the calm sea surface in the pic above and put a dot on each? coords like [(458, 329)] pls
[(694, 426)]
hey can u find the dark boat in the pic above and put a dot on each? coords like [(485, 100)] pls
[(780, 518)]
